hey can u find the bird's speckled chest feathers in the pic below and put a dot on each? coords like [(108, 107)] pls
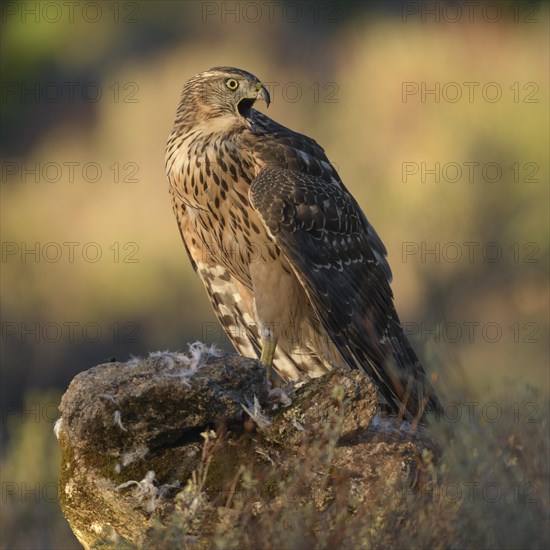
[(212, 172), (211, 167)]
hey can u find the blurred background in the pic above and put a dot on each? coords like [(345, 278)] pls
[(435, 114)]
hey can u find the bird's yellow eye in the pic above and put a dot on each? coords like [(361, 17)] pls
[(231, 83)]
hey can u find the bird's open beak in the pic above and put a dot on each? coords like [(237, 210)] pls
[(245, 105)]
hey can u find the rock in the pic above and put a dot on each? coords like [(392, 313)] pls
[(171, 447), (319, 402)]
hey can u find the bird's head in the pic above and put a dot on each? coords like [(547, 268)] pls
[(223, 92)]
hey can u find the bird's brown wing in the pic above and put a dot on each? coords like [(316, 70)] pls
[(340, 261), (233, 303)]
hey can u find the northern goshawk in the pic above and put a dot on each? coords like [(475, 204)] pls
[(294, 271)]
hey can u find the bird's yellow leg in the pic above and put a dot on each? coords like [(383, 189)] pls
[(268, 351)]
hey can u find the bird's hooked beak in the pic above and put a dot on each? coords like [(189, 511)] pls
[(245, 105), (263, 94)]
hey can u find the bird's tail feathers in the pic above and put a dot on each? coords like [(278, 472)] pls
[(408, 380)]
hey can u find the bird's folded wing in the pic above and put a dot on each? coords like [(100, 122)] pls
[(340, 261)]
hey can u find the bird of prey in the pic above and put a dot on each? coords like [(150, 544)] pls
[(295, 272)]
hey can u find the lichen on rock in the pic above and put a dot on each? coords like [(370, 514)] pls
[(168, 447)]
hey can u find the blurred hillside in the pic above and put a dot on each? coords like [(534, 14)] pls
[(85, 179), (438, 124)]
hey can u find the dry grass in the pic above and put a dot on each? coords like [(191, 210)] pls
[(489, 490)]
